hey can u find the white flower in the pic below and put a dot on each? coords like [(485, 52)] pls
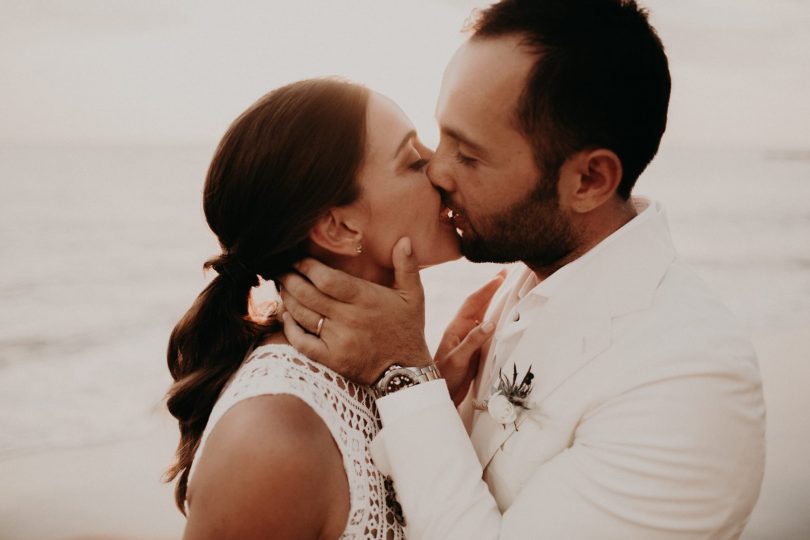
[(501, 409)]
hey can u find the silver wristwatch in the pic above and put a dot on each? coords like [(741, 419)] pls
[(398, 377)]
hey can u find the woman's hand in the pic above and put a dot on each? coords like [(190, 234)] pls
[(459, 352)]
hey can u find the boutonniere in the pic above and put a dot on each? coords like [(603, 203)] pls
[(508, 397)]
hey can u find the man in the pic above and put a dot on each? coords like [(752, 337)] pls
[(644, 418)]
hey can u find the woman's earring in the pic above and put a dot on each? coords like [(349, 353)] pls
[(359, 248)]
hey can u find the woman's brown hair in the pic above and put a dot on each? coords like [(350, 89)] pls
[(281, 165)]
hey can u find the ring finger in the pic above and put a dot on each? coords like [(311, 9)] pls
[(305, 317)]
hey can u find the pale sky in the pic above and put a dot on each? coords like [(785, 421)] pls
[(177, 71)]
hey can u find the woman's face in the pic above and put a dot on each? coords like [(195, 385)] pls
[(396, 196)]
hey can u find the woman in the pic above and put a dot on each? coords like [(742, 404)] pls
[(317, 168)]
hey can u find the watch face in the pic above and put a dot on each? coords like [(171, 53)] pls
[(399, 379)]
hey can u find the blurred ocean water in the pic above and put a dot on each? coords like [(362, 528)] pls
[(101, 248), (101, 251)]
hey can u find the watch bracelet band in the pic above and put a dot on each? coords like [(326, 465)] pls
[(397, 377)]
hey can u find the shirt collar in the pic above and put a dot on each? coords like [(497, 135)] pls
[(645, 209)]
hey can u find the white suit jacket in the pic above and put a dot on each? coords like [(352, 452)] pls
[(646, 419)]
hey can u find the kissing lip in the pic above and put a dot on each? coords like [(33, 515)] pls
[(446, 216), (454, 218)]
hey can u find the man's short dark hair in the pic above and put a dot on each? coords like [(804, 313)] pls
[(601, 79)]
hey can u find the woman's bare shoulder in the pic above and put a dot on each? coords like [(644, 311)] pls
[(270, 465)]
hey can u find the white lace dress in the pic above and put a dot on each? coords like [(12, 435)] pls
[(347, 409)]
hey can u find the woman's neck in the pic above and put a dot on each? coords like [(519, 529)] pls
[(363, 267)]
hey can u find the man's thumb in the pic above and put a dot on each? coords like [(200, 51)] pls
[(406, 271)]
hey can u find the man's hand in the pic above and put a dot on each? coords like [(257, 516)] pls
[(367, 327), (459, 352)]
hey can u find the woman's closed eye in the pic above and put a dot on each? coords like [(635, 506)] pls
[(418, 165)]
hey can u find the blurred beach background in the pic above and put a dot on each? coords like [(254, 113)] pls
[(111, 111)]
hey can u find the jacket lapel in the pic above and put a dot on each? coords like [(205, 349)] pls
[(574, 326), (555, 349)]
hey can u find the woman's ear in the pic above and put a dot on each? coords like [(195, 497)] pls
[(337, 232), (593, 176)]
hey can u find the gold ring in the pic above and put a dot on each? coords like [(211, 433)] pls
[(320, 326)]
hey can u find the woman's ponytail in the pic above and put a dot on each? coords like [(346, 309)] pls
[(285, 162), (205, 348)]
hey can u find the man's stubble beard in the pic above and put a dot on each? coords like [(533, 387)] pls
[(533, 230)]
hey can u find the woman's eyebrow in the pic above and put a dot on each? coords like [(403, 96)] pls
[(408, 136)]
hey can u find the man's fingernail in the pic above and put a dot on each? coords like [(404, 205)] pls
[(408, 247), (488, 327)]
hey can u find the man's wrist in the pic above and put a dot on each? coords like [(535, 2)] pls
[(416, 355), (417, 358), (398, 377)]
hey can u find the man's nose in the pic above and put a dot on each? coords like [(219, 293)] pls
[(440, 174)]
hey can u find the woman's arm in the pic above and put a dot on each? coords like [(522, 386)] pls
[(270, 469)]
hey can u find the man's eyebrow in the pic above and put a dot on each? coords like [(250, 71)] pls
[(408, 136), (466, 141)]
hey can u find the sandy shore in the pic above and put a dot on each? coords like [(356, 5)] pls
[(110, 492), (114, 491)]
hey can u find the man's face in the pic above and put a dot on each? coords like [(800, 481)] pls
[(484, 168)]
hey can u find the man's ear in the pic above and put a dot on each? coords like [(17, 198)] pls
[(590, 178), (336, 232)]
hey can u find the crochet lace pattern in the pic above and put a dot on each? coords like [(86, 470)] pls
[(347, 409)]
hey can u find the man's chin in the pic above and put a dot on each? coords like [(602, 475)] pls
[(475, 251), (479, 258)]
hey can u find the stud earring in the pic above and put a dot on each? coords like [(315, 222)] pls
[(359, 248)]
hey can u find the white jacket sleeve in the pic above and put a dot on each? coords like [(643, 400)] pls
[(659, 462), (424, 447)]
